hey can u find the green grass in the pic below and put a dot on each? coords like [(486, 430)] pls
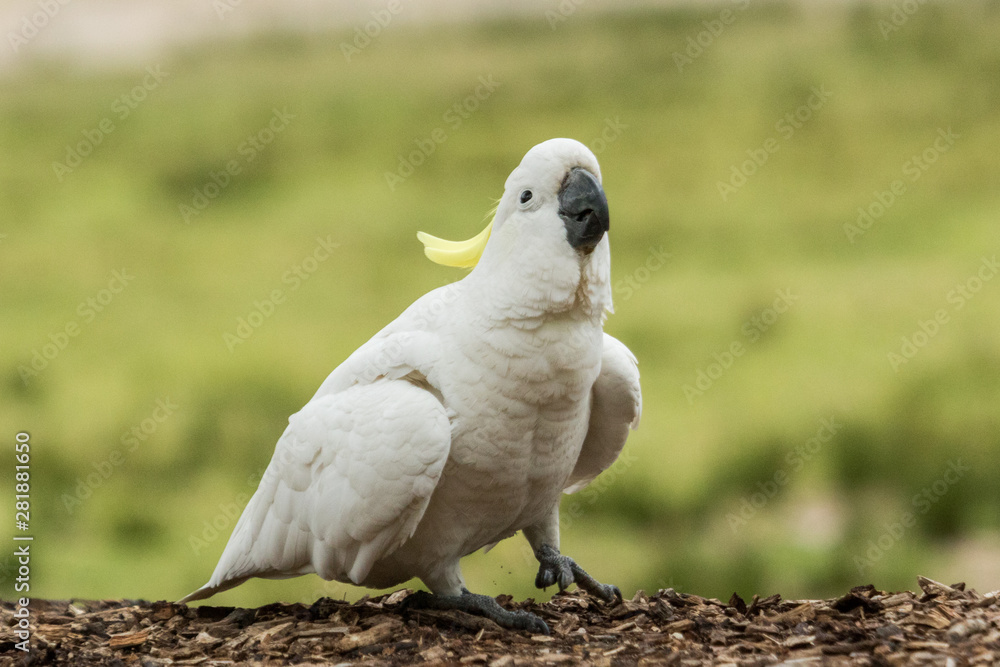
[(658, 521)]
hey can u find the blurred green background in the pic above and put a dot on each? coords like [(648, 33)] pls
[(809, 462)]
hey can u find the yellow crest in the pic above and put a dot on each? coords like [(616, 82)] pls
[(461, 254)]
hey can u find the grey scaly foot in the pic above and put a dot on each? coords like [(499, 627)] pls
[(555, 568), (482, 605)]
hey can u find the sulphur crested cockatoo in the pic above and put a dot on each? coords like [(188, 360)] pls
[(465, 419)]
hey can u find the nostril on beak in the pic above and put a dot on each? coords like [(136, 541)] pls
[(583, 215)]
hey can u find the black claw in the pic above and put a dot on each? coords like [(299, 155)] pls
[(417, 600), (554, 567), (524, 620), (483, 605), (537, 626), (545, 578), (609, 593), (565, 576)]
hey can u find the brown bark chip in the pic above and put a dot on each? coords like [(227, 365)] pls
[(128, 639), (942, 624)]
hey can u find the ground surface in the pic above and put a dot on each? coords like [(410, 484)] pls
[(941, 625)]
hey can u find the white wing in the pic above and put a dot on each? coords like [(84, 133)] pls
[(354, 471), (615, 407), (348, 483), (405, 344)]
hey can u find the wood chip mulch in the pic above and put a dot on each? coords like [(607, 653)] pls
[(941, 625)]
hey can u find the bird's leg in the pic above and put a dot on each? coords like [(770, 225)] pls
[(482, 605), (554, 568)]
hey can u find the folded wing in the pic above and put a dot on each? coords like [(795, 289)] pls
[(615, 407), (348, 483)]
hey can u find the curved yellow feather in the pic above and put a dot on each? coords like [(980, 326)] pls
[(461, 254)]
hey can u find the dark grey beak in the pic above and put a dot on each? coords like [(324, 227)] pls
[(583, 209)]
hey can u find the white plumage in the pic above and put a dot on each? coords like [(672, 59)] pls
[(462, 421)]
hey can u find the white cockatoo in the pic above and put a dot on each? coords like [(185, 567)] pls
[(465, 419)]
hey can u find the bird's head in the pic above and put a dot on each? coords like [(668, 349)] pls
[(551, 221)]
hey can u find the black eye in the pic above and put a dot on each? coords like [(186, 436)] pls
[(525, 196)]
